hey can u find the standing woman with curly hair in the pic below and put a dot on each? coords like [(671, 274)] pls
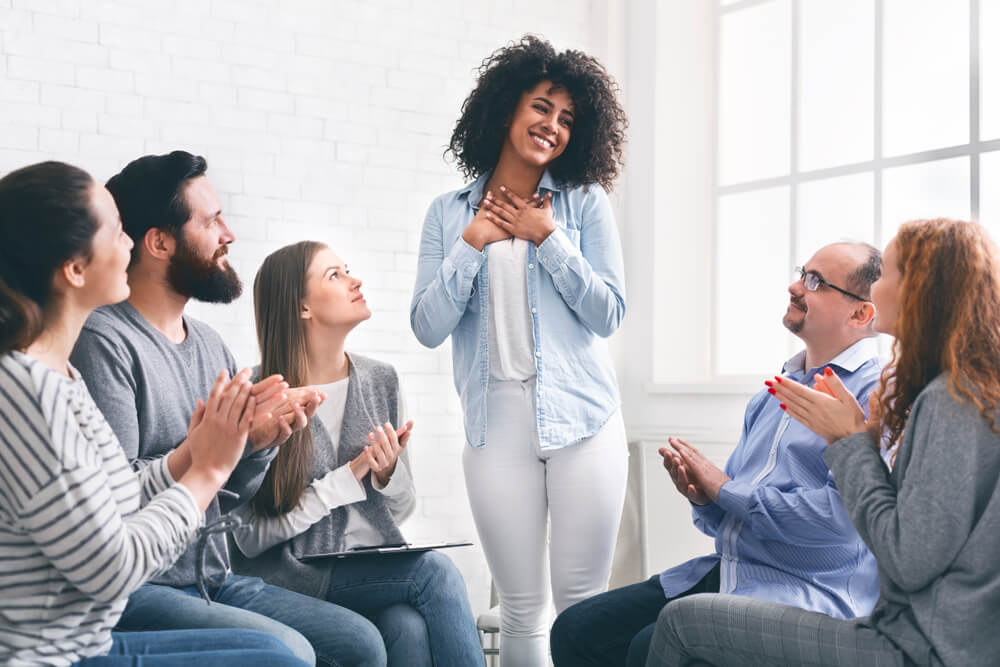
[(933, 522), (523, 269)]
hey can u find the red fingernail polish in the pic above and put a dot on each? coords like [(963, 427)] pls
[(828, 371), (782, 406), (768, 383), (771, 392), (777, 378)]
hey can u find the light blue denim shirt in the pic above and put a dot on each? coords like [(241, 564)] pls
[(781, 530), (576, 293)]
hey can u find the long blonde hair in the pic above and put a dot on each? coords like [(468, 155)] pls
[(278, 292)]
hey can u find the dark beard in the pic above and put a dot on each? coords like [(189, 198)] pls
[(200, 279)]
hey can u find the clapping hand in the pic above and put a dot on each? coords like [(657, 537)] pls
[(678, 473), (289, 412), (385, 444), (218, 428), (830, 411), (706, 477)]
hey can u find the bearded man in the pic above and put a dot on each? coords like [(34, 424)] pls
[(146, 364)]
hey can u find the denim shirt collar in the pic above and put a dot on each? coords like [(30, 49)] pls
[(474, 190), (849, 360)]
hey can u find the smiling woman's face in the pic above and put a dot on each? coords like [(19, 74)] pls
[(333, 297), (110, 251), (541, 124)]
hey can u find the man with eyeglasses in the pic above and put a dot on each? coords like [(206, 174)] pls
[(781, 531)]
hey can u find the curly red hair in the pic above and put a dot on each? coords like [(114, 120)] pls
[(948, 319)]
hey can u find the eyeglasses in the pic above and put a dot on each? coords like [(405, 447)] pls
[(812, 281)]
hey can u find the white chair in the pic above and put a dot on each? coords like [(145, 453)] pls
[(488, 625)]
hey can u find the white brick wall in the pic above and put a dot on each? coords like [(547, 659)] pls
[(320, 119)]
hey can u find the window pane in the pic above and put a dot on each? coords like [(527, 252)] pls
[(835, 209), (928, 190), (926, 75), (836, 79), (989, 197), (989, 63), (754, 92), (754, 271)]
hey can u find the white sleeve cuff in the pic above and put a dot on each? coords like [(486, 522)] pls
[(555, 250), (398, 484), (339, 487)]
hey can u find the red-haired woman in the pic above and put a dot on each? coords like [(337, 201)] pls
[(933, 522)]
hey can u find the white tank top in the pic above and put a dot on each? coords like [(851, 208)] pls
[(511, 337)]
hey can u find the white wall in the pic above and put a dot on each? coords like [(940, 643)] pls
[(320, 119)]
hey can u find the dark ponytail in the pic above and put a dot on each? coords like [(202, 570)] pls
[(45, 221)]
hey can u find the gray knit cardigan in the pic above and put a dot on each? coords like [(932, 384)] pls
[(372, 399)]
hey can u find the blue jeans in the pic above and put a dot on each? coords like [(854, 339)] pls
[(172, 648), (616, 628), (339, 636), (418, 602)]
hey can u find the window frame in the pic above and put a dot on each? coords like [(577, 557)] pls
[(796, 177)]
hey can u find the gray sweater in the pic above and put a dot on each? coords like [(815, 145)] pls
[(933, 524), (372, 399), (147, 387)]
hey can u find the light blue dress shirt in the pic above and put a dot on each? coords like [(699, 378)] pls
[(576, 294), (781, 531)]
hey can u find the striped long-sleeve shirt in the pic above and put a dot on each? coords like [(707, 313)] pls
[(74, 542)]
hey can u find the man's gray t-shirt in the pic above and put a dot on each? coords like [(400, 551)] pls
[(147, 388)]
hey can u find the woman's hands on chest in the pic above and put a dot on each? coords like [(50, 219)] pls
[(528, 219), (482, 230)]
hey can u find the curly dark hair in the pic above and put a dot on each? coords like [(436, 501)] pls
[(594, 152)]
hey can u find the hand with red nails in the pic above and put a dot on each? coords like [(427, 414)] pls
[(831, 411), (695, 477), (528, 219)]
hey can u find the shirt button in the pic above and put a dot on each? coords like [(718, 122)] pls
[(531, 266), (538, 354), (534, 310)]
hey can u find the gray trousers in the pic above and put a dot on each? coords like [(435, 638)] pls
[(737, 631)]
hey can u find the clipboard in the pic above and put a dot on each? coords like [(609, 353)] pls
[(386, 549)]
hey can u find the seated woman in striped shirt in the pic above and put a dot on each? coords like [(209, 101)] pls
[(79, 530)]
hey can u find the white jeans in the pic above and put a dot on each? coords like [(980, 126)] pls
[(514, 488)]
